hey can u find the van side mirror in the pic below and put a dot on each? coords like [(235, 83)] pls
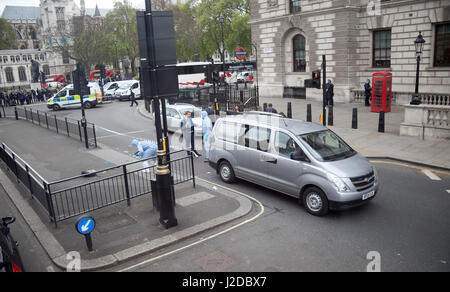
[(299, 156)]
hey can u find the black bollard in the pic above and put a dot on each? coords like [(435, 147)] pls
[(355, 119), (381, 122), (16, 113), (289, 110), (265, 107), (330, 116), (309, 113)]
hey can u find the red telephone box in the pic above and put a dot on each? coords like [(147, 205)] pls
[(381, 92)]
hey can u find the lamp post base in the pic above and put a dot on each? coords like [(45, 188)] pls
[(416, 100)]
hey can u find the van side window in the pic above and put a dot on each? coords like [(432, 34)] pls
[(257, 138), (285, 145), (230, 132), (71, 92), (62, 93)]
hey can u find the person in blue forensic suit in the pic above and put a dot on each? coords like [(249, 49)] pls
[(146, 150), (206, 130)]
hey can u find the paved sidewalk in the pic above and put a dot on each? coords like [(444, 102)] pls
[(366, 139), (122, 232)]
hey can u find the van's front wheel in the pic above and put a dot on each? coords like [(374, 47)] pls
[(226, 172), (315, 201)]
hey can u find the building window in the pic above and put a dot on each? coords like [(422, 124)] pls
[(9, 75), (296, 6), (5, 59), (46, 69), (65, 57), (442, 49), (382, 49), (13, 59), (59, 13), (299, 45), (22, 74)]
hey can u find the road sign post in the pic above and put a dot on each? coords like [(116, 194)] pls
[(84, 226)]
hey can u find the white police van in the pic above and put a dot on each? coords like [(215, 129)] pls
[(66, 98)]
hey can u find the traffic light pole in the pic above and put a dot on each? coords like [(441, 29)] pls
[(163, 174)]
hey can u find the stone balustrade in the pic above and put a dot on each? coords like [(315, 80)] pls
[(428, 122), (400, 98)]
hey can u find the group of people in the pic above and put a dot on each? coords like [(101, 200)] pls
[(22, 97), (147, 149)]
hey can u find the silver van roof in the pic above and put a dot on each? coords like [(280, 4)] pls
[(296, 127)]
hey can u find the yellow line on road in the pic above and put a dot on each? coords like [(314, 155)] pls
[(209, 237)]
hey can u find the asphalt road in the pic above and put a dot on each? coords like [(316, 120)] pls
[(406, 224)]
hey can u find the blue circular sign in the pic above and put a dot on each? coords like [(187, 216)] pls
[(85, 225)]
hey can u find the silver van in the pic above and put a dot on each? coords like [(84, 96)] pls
[(297, 158)]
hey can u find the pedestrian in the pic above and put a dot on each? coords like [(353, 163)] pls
[(133, 99), (188, 131), (206, 131), (210, 110), (146, 150), (270, 109), (330, 93), (368, 92), (21, 98), (237, 109)]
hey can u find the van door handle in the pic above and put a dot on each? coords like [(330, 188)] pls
[(269, 159)]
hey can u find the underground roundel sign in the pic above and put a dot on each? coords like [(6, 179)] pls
[(240, 53)]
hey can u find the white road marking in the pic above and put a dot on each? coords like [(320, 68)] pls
[(448, 191), (431, 175), (50, 269)]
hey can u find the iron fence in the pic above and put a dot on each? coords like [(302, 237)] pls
[(227, 96), (71, 197), (66, 126)]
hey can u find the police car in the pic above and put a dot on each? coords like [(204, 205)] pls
[(66, 98)]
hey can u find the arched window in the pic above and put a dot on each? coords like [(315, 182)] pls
[(46, 69), (9, 74), (22, 74), (299, 52)]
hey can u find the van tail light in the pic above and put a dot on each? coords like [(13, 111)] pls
[(16, 268)]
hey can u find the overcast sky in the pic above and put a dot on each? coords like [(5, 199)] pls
[(89, 3)]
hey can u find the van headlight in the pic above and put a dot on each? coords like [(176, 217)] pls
[(338, 183)]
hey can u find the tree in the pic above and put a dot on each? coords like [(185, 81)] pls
[(8, 37), (188, 34), (122, 26), (236, 14)]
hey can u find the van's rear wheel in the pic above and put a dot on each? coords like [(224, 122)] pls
[(226, 172), (56, 107), (87, 105), (315, 201)]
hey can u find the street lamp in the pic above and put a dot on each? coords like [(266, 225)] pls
[(222, 19), (419, 42), (117, 57)]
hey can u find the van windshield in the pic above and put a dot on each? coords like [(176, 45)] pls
[(327, 146)]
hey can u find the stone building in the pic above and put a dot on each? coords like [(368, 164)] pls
[(359, 38), (38, 29)]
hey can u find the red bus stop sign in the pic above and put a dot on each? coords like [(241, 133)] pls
[(240, 53)]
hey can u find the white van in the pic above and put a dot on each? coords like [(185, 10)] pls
[(125, 88), (66, 98)]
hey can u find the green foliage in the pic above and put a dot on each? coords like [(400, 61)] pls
[(8, 37)]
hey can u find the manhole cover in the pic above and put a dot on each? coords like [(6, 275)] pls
[(215, 262)]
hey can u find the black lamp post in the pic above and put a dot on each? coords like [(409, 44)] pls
[(222, 19), (419, 42), (117, 58)]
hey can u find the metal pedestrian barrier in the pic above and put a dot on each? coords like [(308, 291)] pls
[(65, 126), (71, 197)]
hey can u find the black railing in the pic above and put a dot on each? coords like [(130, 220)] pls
[(65, 126), (71, 197), (227, 96), (27, 176)]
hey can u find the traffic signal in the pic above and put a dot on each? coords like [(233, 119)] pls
[(43, 77), (316, 79), (102, 72), (80, 84)]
